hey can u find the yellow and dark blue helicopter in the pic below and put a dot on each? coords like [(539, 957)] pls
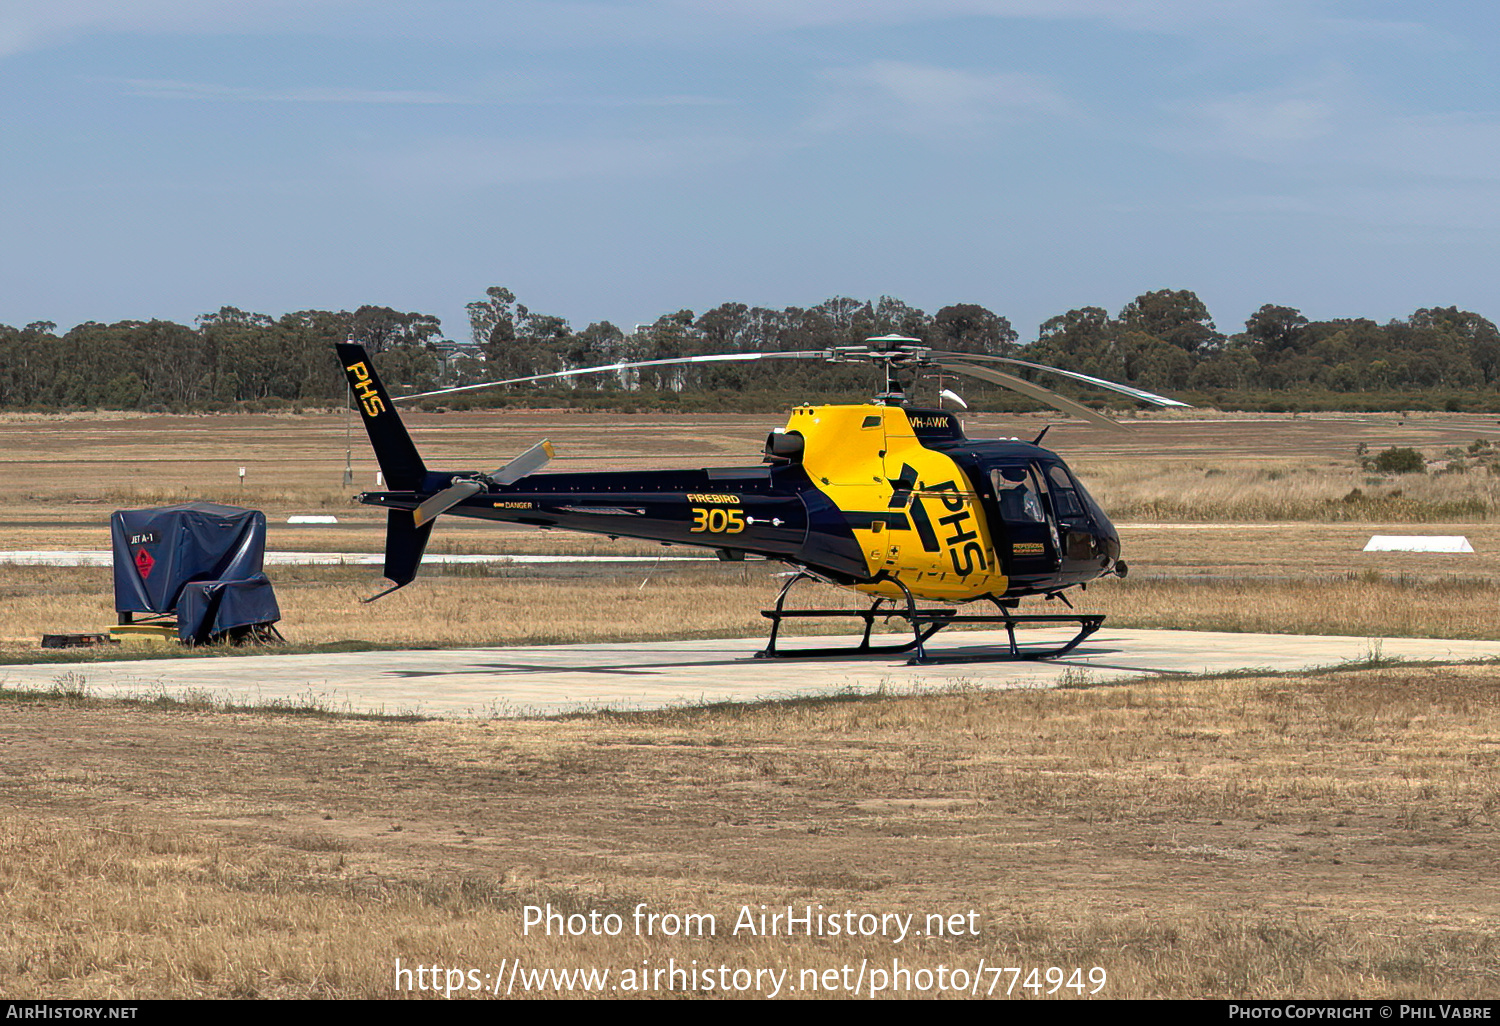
[(885, 498)]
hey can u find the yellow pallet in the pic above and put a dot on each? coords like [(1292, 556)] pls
[(144, 632)]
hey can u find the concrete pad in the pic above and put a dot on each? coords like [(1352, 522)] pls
[(104, 557), (551, 679)]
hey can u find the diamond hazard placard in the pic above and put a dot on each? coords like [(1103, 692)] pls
[(144, 562)]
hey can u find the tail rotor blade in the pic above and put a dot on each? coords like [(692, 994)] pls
[(529, 462), (445, 500)]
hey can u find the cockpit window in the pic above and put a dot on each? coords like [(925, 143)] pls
[(1016, 495)]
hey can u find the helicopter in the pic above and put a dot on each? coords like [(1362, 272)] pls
[(886, 498)]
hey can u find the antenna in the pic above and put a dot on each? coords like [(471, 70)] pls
[(348, 445)]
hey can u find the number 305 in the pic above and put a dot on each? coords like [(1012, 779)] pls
[(718, 521)]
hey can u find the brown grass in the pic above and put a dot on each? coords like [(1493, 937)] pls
[(321, 606), (1316, 838), (1370, 605), (1271, 467), (1254, 467)]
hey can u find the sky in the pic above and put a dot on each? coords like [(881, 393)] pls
[(623, 160)]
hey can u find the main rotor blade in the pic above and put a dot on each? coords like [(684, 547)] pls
[(445, 500), (811, 354), (1027, 388), (1134, 393), (529, 462)]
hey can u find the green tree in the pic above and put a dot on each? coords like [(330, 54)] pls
[(123, 392), (312, 335), (1176, 317), (1085, 339), (1274, 330), (1154, 363), (970, 328), (492, 322), (247, 358), (28, 363), (599, 343), (893, 317), (727, 328), (379, 328), (1232, 369)]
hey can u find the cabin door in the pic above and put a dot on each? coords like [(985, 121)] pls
[(1027, 541)]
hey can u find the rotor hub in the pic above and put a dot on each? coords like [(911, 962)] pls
[(893, 353)]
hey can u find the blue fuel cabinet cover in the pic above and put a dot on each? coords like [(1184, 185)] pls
[(160, 552)]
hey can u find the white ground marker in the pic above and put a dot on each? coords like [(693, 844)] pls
[(1418, 543)]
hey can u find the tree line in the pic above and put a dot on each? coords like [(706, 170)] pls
[(1164, 341)]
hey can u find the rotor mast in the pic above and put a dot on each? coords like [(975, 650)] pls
[(893, 353)]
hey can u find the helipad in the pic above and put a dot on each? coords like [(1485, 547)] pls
[(546, 680), (104, 557)]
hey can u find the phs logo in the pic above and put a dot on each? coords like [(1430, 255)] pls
[(364, 385)]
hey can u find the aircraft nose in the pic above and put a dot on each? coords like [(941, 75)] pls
[(1109, 545)]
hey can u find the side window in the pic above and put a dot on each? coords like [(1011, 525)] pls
[(1064, 497), (1015, 492)]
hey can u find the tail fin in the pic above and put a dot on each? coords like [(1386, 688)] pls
[(399, 461), (400, 464)]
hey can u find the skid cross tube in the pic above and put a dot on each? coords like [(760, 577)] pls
[(924, 624)]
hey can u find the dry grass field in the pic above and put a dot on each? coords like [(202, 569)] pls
[(1324, 837), (1321, 836)]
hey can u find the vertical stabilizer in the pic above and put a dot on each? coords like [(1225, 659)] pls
[(400, 463)]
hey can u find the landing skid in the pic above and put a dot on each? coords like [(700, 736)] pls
[(924, 624)]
